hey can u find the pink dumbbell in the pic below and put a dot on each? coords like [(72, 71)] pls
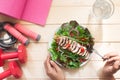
[(27, 32), (21, 54), (14, 70), (16, 34)]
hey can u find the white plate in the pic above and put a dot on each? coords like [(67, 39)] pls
[(89, 57)]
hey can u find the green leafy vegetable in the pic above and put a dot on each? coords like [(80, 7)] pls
[(77, 33)]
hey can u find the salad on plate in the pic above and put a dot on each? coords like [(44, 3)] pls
[(71, 45)]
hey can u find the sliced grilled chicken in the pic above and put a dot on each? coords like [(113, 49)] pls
[(72, 46), (77, 48), (66, 45)]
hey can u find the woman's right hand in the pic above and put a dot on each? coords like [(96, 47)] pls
[(112, 64)]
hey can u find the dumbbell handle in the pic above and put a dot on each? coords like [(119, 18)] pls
[(16, 34), (5, 74), (9, 55), (27, 32)]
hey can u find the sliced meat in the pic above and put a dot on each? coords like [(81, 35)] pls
[(66, 43), (77, 48), (72, 46), (63, 41)]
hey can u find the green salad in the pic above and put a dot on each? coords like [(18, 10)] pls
[(71, 45)]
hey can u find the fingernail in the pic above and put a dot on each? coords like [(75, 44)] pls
[(51, 61), (105, 56), (108, 60)]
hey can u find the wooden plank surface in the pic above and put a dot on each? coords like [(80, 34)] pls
[(105, 32), (102, 30), (79, 3)]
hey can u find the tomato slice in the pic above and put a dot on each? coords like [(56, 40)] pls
[(82, 50), (68, 45), (82, 60)]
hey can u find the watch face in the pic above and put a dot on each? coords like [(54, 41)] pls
[(71, 45)]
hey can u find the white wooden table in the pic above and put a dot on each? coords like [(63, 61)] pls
[(106, 34)]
